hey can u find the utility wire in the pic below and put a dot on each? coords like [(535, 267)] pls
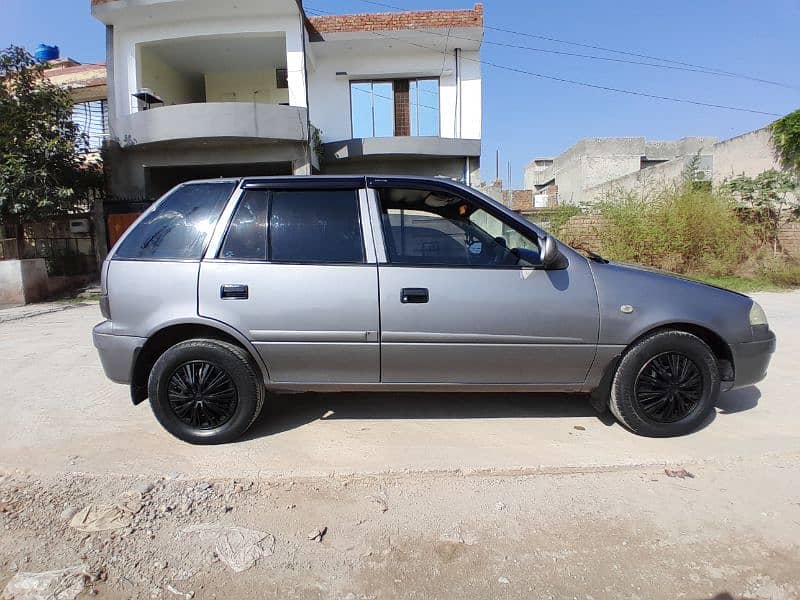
[(573, 81), (687, 65)]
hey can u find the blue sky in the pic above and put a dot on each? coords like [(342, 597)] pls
[(525, 116)]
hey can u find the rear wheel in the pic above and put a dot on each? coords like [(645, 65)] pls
[(665, 385), (205, 391)]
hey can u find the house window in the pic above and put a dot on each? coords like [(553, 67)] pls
[(282, 79), (399, 107), (92, 121)]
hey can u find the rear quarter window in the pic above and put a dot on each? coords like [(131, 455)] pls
[(180, 226)]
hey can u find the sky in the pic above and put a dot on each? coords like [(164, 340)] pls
[(526, 117)]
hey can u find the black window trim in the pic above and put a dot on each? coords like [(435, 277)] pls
[(279, 185), (378, 183)]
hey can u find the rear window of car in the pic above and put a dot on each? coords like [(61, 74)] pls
[(180, 226), (296, 226)]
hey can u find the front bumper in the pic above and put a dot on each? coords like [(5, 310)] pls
[(117, 352), (751, 359)]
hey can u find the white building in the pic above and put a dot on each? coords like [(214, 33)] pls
[(205, 88)]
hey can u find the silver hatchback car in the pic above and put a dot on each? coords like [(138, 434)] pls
[(225, 290)]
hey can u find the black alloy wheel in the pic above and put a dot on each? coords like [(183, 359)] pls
[(202, 395), (669, 387)]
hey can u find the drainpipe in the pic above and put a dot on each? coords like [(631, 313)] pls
[(458, 93), (305, 77)]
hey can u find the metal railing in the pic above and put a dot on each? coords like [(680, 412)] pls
[(66, 256), (8, 248)]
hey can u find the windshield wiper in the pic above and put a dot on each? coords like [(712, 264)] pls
[(596, 257)]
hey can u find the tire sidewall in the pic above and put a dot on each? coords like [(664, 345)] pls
[(626, 407), (221, 356)]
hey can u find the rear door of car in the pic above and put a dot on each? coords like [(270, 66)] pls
[(458, 307), (295, 272)]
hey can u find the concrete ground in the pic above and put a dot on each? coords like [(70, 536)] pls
[(490, 495)]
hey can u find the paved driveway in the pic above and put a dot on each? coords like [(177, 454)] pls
[(59, 413)]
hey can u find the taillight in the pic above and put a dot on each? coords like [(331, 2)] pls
[(105, 308)]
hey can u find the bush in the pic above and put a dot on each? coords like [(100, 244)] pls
[(685, 228), (783, 274)]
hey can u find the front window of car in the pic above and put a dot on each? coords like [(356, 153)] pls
[(423, 227), (180, 226)]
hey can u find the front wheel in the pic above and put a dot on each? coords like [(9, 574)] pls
[(205, 391), (665, 385)]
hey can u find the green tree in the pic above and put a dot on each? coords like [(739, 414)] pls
[(768, 200), (786, 139), (43, 171)]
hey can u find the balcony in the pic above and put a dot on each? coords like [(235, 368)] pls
[(213, 120), (213, 87)]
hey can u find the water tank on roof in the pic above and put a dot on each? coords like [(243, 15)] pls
[(44, 52)]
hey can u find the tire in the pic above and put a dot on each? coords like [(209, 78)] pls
[(205, 391), (666, 385)]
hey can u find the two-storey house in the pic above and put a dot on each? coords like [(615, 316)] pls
[(205, 88)]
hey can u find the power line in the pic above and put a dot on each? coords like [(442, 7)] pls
[(575, 82), (687, 65)]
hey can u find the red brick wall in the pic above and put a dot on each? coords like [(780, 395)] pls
[(402, 117), (584, 232), (399, 20)]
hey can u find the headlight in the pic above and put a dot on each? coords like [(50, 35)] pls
[(757, 315)]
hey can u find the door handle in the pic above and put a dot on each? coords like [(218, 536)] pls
[(236, 291), (414, 295)]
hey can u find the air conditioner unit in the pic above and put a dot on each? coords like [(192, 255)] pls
[(79, 226)]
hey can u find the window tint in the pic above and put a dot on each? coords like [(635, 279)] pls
[(180, 226), (315, 226), (434, 228), (247, 234)]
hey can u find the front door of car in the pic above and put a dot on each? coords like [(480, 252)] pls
[(464, 298), (293, 274)]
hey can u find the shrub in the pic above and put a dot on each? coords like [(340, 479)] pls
[(684, 228)]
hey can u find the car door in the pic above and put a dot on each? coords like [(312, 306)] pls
[(296, 274), (464, 298)]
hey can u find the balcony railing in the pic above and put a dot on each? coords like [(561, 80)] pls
[(213, 120)]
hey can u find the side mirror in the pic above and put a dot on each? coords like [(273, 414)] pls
[(552, 258)]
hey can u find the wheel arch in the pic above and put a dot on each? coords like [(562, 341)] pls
[(716, 342), (173, 333)]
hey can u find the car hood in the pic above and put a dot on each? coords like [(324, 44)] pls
[(669, 274)]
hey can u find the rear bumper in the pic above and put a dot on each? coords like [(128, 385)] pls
[(117, 352), (751, 359)]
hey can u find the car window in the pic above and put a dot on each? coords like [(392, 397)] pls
[(246, 238), (320, 226), (180, 226), (433, 228)]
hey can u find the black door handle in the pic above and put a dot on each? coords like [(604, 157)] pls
[(414, 295), (234, 291)]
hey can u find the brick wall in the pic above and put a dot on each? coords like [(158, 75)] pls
[(402, 116), (789, 238), (584, 232), (518, 199), (399, 20)]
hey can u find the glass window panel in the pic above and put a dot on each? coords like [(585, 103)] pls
[(180, 226), (383, 98), (247, 234), (433, 228), (361, 109), (424, 109), (316, 226)]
